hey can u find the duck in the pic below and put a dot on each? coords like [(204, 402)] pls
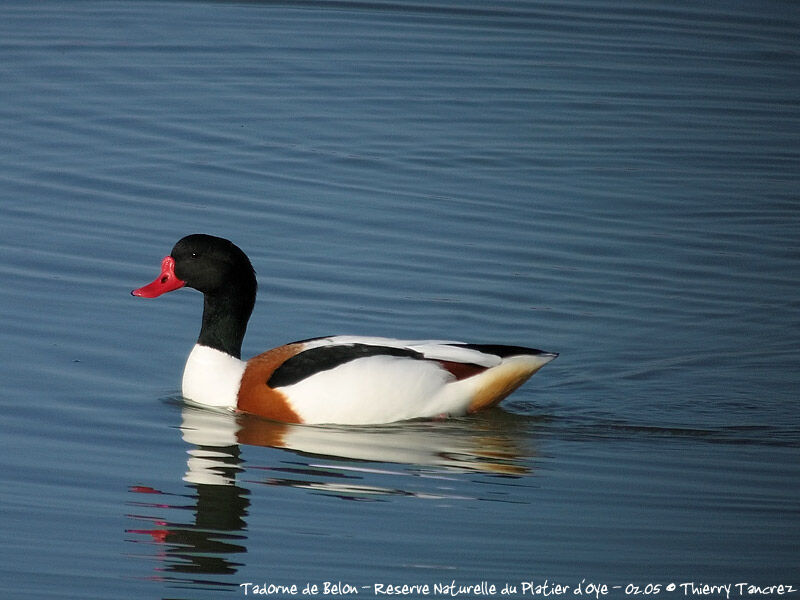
[(338, 379)]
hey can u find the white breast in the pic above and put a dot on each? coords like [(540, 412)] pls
[(212, 377)]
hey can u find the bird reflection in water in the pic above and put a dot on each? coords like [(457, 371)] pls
[(343, 462)]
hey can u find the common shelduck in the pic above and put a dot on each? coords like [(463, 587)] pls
[(337, 379)]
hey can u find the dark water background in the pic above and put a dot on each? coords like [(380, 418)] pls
[(614, 181)]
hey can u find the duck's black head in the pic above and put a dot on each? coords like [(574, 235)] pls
[(223, 273), (212, 265)]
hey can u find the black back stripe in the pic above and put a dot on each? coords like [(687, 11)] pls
[(324, 358)]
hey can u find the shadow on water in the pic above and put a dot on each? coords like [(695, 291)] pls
[(418, 460)]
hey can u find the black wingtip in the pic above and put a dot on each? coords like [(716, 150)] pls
[(504, 351)]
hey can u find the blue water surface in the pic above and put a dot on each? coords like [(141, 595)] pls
[(614, 181)]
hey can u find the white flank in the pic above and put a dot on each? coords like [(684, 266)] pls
[(375, 389), (212, 377)]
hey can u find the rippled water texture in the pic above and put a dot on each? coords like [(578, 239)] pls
[(613, 181)]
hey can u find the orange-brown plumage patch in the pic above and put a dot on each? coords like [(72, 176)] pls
[(500, 382), (256, 397)]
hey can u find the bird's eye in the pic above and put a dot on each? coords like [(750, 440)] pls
[(194, 254)]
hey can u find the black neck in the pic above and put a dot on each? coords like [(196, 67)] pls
[(225, 317)]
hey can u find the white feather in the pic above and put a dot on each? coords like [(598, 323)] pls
[(434, 349)]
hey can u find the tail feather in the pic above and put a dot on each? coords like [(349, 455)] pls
[(494, 384)]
